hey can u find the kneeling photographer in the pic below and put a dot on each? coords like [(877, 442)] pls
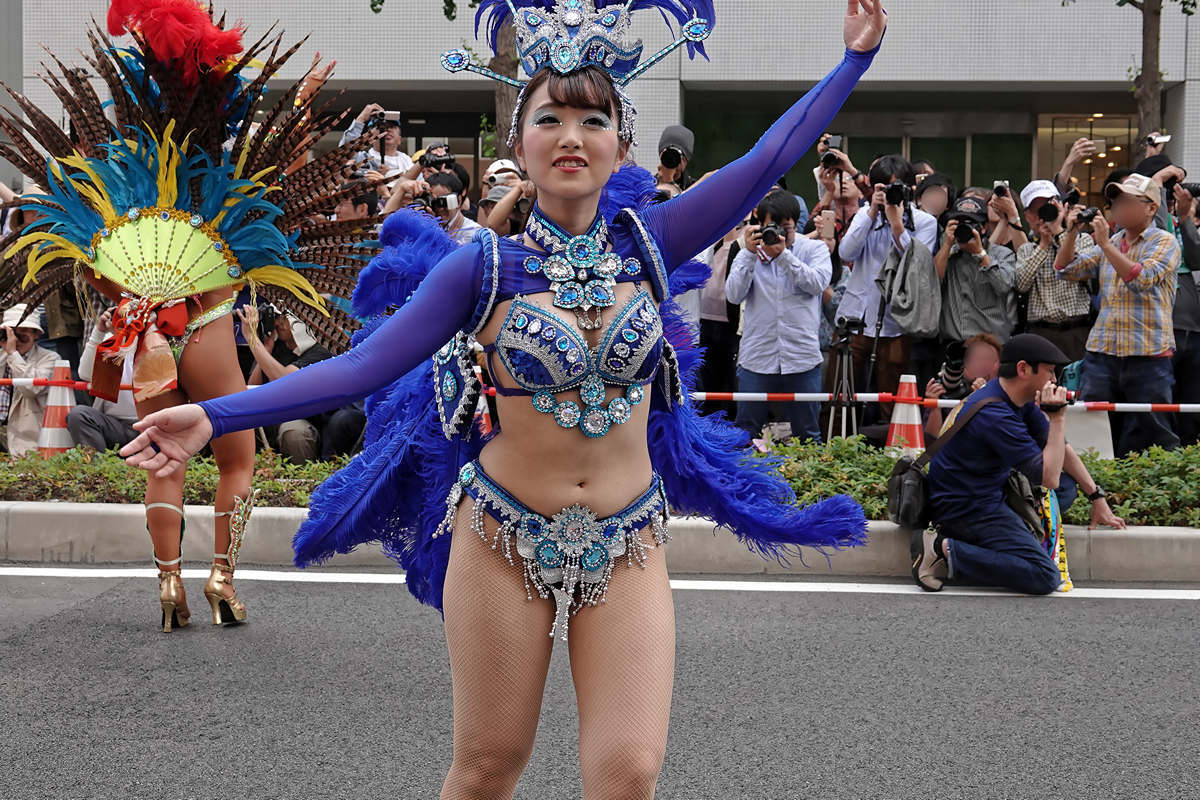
[(968, 367), (1016, 422), (977, 277)]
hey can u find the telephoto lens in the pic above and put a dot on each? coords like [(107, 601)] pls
[(671, 157), (1191, 188)]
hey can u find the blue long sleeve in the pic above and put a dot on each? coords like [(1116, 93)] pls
[(698, 218), (443, 304)]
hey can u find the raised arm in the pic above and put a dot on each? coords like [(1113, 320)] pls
[(445, 302), (694, 221)]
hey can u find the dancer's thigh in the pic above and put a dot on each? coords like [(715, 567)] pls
[(623, 664), (499, 648), (209, 368)]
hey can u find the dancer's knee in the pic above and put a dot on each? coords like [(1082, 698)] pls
[(489, 769), (625, 770)]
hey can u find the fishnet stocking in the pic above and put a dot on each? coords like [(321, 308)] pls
[(499, 656), (623, 665), (622, 661)]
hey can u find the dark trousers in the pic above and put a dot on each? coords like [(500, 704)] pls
[(1186, 363), (1072, 341), (804, 417), (892, 361), (718, 373), (998, 549), (90, 427), (1132, 379), (342, 432)]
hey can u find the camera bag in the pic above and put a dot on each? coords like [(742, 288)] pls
[(908, 486)]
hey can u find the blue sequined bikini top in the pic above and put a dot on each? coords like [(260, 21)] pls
[(546, 356)]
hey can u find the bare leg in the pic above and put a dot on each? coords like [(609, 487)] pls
[(623, 664), (209, 368), (499, 656), (164, 524)]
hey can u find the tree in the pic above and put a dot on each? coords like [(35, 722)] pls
[(1148, 82), (505, 63)]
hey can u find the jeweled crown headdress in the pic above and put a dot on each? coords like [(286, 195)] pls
[(569, 35)]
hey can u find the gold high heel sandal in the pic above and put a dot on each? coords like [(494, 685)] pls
[(229, 610), (171, 596)]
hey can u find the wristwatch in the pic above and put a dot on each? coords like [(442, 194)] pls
[(1099, 494)]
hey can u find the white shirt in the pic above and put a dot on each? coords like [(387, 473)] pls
[(868, 245), (782, 313)]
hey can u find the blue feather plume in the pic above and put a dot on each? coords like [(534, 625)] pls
[(413, 243)]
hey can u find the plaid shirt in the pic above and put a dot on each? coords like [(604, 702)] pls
[(1051, 299), (1135, 315), (5, 397)]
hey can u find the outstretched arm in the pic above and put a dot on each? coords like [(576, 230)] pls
[(691, 222), (444, 303)]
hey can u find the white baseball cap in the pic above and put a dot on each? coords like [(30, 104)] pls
[(501, 165), (1038, 189)]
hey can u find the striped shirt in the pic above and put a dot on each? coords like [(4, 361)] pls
[(1135, 313), (1050, 299)]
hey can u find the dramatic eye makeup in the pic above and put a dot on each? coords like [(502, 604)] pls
[(544, 116), (598, 119)]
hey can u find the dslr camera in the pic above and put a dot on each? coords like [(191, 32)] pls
[(1086, 216), (898, 193), (1049, 212), (951, 375), (428, 202), (671, 157), (266, 319), (830, 160), (772, 234), (966, 230), (428, 161)]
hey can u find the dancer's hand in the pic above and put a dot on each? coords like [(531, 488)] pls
[(865, 23), (168, 439)]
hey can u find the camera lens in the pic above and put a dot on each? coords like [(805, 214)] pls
[(965, 231), (830, 160), (1086, 216), (1048, 212), (770, 235), (671, 157), (897, 193)]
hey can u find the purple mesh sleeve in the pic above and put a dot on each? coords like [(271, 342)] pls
[(699, 217), (444, 303)]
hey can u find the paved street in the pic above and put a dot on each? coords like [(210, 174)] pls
[(342, 691)]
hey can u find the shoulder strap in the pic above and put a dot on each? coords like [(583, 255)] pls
[(958, 425)]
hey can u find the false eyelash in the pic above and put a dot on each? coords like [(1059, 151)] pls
[(543, 117)]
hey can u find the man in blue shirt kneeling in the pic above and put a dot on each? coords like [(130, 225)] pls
[(978, 539)]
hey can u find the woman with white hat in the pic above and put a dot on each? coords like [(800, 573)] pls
[(21, 407)]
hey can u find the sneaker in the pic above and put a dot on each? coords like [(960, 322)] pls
[(930, 567)]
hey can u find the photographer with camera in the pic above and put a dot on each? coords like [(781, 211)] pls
[(1082, 148), (360, 205), (445, 201), (1186, 316), (508, 207), (968, 367), (435, 158), (21, 407), (1060, 311), (888, 223), (935, 194), (675, 148), (388, 159), (103, 424), (780, 277), (1015, 423), (1129, 349), (281, 345), (977, 277)]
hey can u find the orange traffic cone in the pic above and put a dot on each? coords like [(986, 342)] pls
[(54, 436), (482, 413), (906, 430)]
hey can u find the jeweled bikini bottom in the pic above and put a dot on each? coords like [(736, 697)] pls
[(570, 555)]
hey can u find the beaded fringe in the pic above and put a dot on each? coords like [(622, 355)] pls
[(571, 584)]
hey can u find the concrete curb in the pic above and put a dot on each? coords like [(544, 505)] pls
[(87, 533)]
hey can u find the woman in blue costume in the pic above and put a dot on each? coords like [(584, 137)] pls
[(510, 535)]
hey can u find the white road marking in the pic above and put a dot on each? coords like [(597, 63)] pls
[(396, 579)]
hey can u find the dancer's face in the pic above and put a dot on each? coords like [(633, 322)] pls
[(568, 152)]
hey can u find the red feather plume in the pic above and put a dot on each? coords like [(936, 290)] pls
[(179, 32)]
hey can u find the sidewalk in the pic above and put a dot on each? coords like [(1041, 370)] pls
[(84, 533)]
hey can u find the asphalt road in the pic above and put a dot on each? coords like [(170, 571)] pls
[(342, 691)]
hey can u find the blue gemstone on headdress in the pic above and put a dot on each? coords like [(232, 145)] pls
[(133, 213), (196, 221), (533, 20), (92, 253), (697, 30), (565, 56), (609, 19), (164, 216), (234, 272), (456, 60)]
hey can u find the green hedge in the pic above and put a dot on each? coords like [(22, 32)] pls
[(1154, 488)]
